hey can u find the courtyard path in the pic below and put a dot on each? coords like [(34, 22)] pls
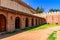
[(58, 35), (34, 35)]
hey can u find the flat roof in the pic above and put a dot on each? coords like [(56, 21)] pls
[(15, 11)]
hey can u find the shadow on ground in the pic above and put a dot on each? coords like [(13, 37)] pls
[(8, 34)]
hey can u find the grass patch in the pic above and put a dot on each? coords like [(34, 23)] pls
[(42, 27), (16, 31), (34, 28), (52, 36)]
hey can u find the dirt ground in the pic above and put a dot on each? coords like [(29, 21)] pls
[(34, 35)]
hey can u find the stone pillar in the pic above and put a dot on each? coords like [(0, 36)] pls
[(40, 20), (22, 23), (8, 28), (30, 21), (34, 21), (10, 24), (37, 22)]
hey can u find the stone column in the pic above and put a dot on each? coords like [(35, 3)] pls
[(37, 22), (10, 24), (40, 20), (30, 21), (8, 28), (22, 23), (34, 21)]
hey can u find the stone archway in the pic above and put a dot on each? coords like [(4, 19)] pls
[(17, 23), (2, 23), (26, 22)]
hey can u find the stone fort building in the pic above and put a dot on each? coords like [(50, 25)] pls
[(15, 14)]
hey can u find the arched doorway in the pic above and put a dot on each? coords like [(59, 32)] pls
[(17, 23), (2, 23), (32, 22), (26, 22), (38, 22)]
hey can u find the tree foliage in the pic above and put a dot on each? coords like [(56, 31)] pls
[(54, 10), (39, 10)]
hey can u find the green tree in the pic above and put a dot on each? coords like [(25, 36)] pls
[(39, 10), (54, 10)]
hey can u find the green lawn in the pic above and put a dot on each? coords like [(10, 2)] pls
[(52, 36), (41, 27), (35, 28)]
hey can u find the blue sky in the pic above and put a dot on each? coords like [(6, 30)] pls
[(46, 4)]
